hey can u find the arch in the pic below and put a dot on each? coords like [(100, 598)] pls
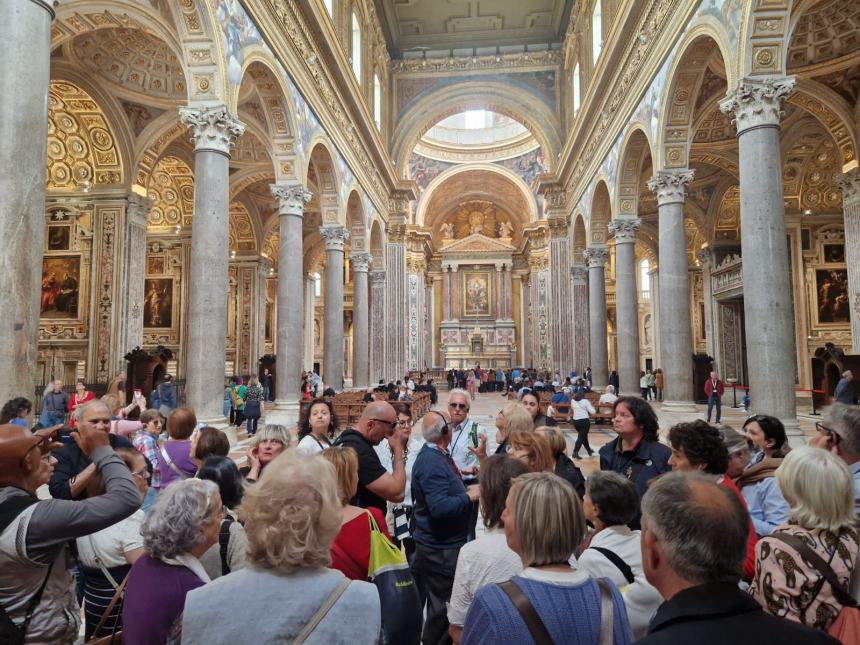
[(580, 239), (762, 52), (321, 160), (171, 186), (831, 110), (377, 244), (601, 214), (272, 88), (355, 221), (518, 104), (242, 234), (635, 149)]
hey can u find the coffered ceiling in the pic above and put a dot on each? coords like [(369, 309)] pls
[(418, 25)]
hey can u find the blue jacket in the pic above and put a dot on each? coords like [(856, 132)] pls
[(650, 459), (844, 393), (441, 511), (167, 395)]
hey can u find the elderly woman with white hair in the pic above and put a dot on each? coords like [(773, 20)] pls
[(608, 397), (791, 581), (181, 526), (292, 515)]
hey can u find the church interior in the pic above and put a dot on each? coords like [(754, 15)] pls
[(368, 188)]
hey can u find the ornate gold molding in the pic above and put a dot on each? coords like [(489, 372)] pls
[(496, 62)]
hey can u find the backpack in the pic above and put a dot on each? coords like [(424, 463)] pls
[(224, 542)]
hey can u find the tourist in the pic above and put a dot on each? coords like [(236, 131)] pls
[(694, 542), (116, 387), (543, 525), (105, 557), (208, 442), (608, 397), (16, 411), (462, 428), (698, 447), (840, 434), (266, 445), (183, 523), (651, 379), (288, 558), (55, 404), (511, 418), (738, 451), (317, 428), (79, 398), (767, 507), (266, 382), (636, 452), (166, 391), (532, 449), (844, 391), (714, 390), (613, 380), (487, 559), (254, 398), (177, 462), (564, 467), (238, 393), (74, 468), (145, 440), (350, 550), (531, 401), (36, 533), (643, 385), (658, 384), (230, 552), (790, 582), (376, 486), (613, 550), (581, 410), (442, 512), (227, 409)]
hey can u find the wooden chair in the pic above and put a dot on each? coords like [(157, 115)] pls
[(605, 413)]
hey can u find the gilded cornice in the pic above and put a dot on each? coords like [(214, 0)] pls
[(492, 63)]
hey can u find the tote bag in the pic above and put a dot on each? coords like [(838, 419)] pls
[(398, 595)]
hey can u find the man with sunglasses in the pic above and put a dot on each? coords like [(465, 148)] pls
[(840, 434), (466, 460), (376, 486)]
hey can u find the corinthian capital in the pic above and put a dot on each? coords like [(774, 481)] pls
[(212, 128), (596, 256), (670, 186), (755, 104), (291, 197), (335, 237), (849, 184), (625, 230), (377, 278), (360, 261)]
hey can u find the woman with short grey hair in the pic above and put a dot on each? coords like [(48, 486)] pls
[(181, 526)]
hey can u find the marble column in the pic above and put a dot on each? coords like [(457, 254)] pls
[(675, 331), (360, 321), (626, 303), (706, 261), (397, 298), (213, 131), (25, 31), (292, 198), (654, 276), (850, 185), (561, 329), (335, 239), (309, 307), (580, 316), (768, 308), (134, 268), (377, 325), (596, 257)]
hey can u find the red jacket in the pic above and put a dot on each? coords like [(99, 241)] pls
[(709, 388)]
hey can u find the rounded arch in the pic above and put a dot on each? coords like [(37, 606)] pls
[(601, 214), (322, 173), (635, 149), (686, 73), (579, 236), (377, 243), (441, 103), (355, 221), (763, 52), (831, 110)]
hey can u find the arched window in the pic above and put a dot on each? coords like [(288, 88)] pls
[(645, 279), (329, 7), (356, 47), (576, 89), (596, 31), (317, 285), (377, 101)]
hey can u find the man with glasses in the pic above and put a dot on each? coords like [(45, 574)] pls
[(376, 486), (840, 434), (466, 460)]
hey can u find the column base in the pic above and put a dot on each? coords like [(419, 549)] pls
[(679, 406), (222, 424), (283, 413), (795, 434)]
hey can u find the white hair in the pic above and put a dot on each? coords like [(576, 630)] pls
[(175, 522), (610, 389), (432, 428), (461, 392), (81, 410)]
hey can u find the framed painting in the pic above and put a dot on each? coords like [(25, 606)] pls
[(158, 303), (155, 265), (61, 275), (59, 238), (477, 294), (834, 253), (831, 289)]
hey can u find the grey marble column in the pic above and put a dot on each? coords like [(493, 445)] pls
[(579, 299), (360, 321), (561, 309), (289, 348), (706, 261), (626, 303), (850, 185), (213, 131), (335, 239), (596, 257), (654, 276), (136, 214), (25, 31), (377, 325), (675, 331), (309, 302), (768, 308)]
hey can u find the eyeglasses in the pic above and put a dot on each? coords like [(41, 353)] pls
[(458, 406), (403, 422), (830, 432)]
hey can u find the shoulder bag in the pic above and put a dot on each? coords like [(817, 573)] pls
[(322, 611), (846, 627), (178, 471), (536, 626), (615, 559), (224, 542), (115, 637)]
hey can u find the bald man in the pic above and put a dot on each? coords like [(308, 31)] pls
[(376, 486)]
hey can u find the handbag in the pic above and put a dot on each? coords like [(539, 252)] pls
[(398, 595), (322, 611), (846, 627), (115, 637), (252, 409)]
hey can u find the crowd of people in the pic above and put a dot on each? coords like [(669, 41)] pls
[(145, 525)]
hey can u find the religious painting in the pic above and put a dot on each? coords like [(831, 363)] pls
[(155, 265), (834, 253), (477, 293), (61, 276), (831, 287), (158, 303), (59, 238)]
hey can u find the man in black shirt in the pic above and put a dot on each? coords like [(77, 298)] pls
[(375, 484)]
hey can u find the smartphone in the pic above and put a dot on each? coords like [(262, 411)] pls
[(136, 394)]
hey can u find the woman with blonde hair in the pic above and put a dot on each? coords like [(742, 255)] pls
[(532, 449), (292, 516), (267, 444), (511, 418), (788, 583), (253, 405), (564, 466)]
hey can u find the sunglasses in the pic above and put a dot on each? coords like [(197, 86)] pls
[(458, 406)]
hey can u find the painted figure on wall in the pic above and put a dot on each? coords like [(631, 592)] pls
[(158, 303), (476, 295), (832, 290), (60, 287)]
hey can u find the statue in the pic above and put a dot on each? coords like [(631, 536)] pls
[(505, 229), (476, 222), (448, 231)]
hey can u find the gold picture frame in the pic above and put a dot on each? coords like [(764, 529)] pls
[(477, 294)]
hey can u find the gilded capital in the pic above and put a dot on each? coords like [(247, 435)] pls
[(212, 128), (579, 274), (137, 210), (335, 237), (706, 258), (755, 104), (624, 230), (360, 261), (670, 186), (849, 184), (596, 256), (291, 197)]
